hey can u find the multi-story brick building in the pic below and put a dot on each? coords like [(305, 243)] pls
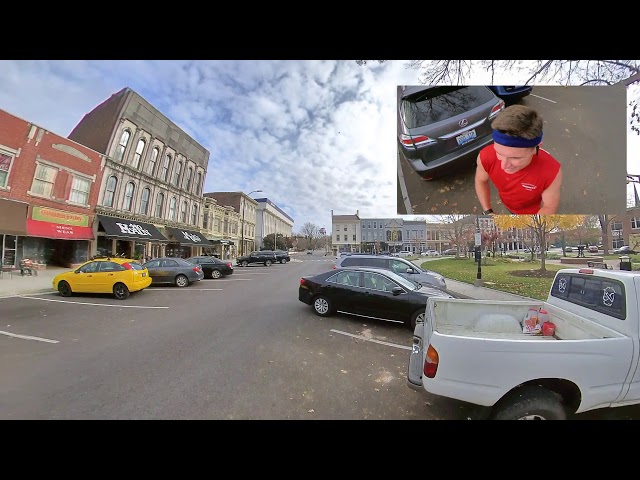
[(49, 187), (150, 201)]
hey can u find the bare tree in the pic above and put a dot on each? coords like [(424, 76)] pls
[(563, 72), (605, 221), (311, 232), (458, 229)]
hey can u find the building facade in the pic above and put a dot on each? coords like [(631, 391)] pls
[(150, 199), (271, 219), (346, 233), (49, 187), (246, 208)]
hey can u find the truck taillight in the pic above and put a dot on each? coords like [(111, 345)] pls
[(431, 363)]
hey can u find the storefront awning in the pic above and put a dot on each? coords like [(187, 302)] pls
[(187, 237), (36, 228), (222, 242), (13, 220), (122, 228)]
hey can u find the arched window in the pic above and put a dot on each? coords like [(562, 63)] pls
[(159, 204), (122, 145), (165, 168), (176, 174), (199, 185), (194, 215), (144, 201), (128, 196), (189, 177), (110, 191), (152, 161), (172, 209), (183, 213), (138, 155)]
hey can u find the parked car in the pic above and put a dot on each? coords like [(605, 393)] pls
[(309, 252), (117, 276), (400, 266), (593, 249), (430, 253), (568, 249), (406, 253), (441, 128), (281, 255), (371, 292), (625, 250), (266, 258), (212, 267), (450, 251), (511, 94), (176, 271)]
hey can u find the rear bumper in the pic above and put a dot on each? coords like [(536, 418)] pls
[(141, 284), (304, 296), (446, 164)]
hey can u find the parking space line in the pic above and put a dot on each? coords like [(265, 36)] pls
[(360, 337), (86, 303), (538, 96), (28, 337), (185, 289)]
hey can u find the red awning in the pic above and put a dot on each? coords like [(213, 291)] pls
[(37, 228)]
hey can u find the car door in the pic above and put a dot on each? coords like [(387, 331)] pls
[(344, 291), (109, 274), (83, 280), (380, 302), (169, 268)]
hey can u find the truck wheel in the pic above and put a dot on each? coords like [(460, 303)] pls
[(415, 318), (530, 403)]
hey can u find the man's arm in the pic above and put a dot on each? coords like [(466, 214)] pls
[(482, 186), (551, 196)]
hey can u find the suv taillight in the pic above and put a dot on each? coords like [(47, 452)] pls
[(497, 109)]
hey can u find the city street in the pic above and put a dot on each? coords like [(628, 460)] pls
[(583, 126), (241, 347)]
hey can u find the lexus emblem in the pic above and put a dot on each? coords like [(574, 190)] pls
[(464, 122)]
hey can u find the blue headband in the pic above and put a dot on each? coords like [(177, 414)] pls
[(509, 141)]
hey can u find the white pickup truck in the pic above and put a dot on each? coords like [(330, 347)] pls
[(475, 351)]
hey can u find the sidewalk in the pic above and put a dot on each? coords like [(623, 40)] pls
[(15, 284)]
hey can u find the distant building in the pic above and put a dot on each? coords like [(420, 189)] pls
[(242, 224), (49, 187), (346, 231), (150, 200), (271, 219)]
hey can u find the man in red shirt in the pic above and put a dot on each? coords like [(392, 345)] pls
[(527, 178)]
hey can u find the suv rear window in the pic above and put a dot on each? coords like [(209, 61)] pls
[(439, 103)]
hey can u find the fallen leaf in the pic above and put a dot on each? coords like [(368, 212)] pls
[(584, 192), (344, 371), (311, 411)]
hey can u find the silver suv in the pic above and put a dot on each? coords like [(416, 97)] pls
[(398, 265)]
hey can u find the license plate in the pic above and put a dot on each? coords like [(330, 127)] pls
[(466, 137)]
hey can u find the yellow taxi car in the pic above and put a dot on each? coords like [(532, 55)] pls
[(115, 275)]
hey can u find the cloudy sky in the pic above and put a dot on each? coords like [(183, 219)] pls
[(312, 135)]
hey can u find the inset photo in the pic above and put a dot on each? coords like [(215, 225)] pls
[(511, 149)]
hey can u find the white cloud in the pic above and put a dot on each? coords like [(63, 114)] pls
[(312, 135)]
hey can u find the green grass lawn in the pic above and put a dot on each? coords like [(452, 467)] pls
[(496, 274)]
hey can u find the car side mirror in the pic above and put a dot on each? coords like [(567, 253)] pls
[(410, 270), (396, 291), (76, 271)]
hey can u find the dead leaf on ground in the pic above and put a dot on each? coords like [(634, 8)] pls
[(584, 192)]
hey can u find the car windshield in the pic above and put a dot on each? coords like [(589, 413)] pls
[(439, 103)]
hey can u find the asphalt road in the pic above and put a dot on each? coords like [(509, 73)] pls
[(585, 130), (241, 347)]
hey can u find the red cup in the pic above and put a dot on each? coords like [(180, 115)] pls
[(548, 329)]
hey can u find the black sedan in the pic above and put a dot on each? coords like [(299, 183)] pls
[(175, 271), (370, 292), (212, 267)]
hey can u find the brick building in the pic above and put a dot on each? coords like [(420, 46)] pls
[(49, 187)]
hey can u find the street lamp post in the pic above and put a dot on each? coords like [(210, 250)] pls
[(242, 226)]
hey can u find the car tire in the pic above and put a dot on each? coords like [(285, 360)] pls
[(530, 403), (322, 306), (267, 263), (181, 281), (415, 318), (244, 263), (216, 274), (120, 291), (283, 261), (65, 289)]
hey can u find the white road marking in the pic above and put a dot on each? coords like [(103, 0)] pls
[(250, 273), (184, 289), (85, 303), (15, 295), (542, 98), (27, 337), (232, 279), (360, 337)]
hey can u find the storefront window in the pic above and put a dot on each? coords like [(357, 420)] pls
[(177, 250)]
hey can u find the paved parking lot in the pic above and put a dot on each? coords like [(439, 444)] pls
[(241, 347), (585, 130)]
